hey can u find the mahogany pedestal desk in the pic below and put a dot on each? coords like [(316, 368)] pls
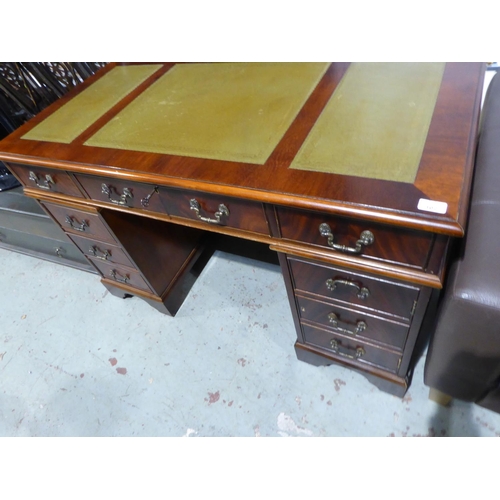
[(357, 174)]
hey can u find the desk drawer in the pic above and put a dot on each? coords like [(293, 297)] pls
[(122, 193), (390, 244), (80, 222), (216, 210), (39, 246), (357, 324), (46, 179), (352, 349), (99, 250), (123, 275), (345, 286)]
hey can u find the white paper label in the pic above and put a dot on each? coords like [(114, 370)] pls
[(437, 207)]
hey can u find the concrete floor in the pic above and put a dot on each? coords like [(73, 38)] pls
[(77, 361)]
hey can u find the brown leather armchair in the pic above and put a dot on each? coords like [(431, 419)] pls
[(463, 360)]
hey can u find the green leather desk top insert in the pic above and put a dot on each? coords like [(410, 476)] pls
[(376, 123), (69, 121), (222, 111)]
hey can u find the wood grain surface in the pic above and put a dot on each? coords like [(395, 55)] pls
[(444, 174)]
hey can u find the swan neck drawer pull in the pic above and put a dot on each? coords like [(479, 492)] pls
[(223, 211), (334, 320), (116, 277), (46, 184), (366, 238), (361, 291), (122, 200), (359, 352), (95, 251), (77, 226)]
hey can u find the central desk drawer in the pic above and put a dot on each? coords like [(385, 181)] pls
[(343, 285), (80, 222), (99, 250), (216, 210), (356, 237), (122, 193)]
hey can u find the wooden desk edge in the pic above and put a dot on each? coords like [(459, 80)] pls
[(422, 222)]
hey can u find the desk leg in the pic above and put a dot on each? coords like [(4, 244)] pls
[(439, 397)]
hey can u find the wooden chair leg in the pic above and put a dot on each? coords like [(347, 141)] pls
[(439, 397)]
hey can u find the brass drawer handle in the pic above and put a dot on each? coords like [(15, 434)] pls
[(116, 277), (76, 225), (122, 200), (334, 320), (362, 291), (46, 184), (223, 210), (93, 250), (366, 238), (145, 200), (359, 351)]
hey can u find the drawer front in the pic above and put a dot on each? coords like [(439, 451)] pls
[(352, 349), (102, 251), (46, 179), (356, 324), (122, 193), (123, 275), (216, 210), (33, 243), (36, 225), (345, 286), (80, 222), (390, 244)]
